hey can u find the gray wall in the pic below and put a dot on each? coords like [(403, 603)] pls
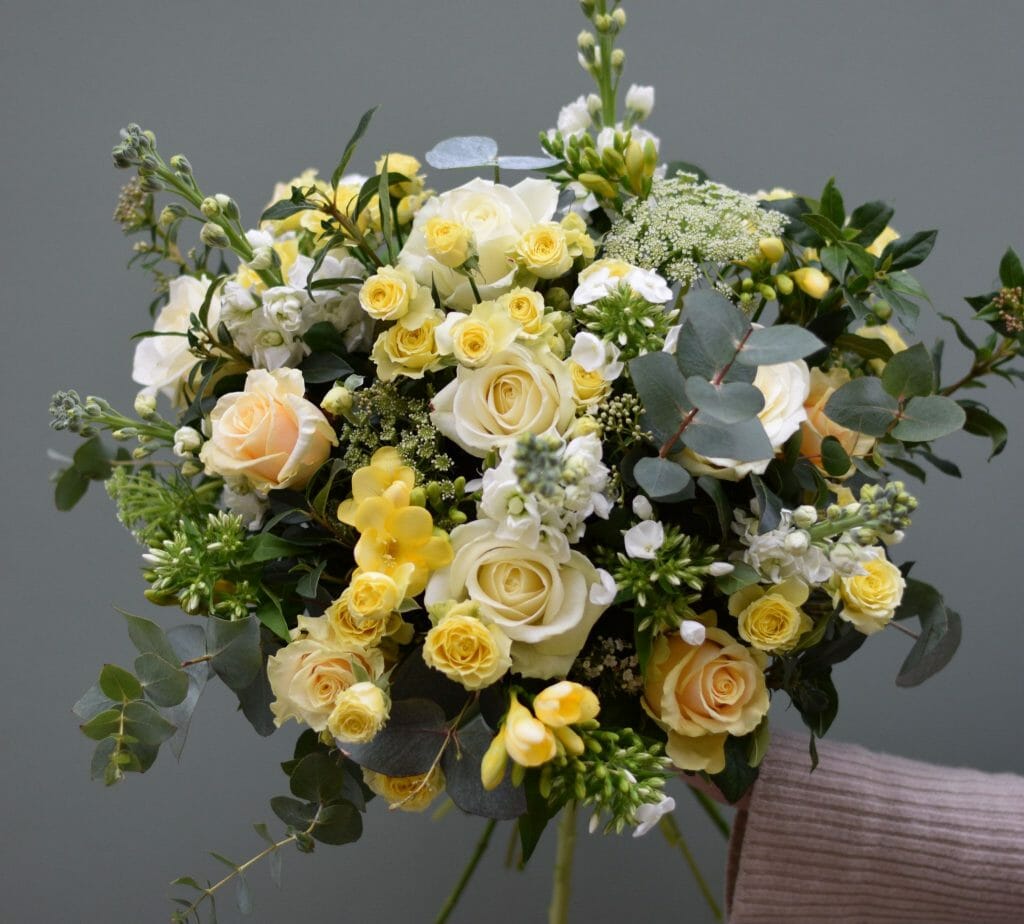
[(916, 102)]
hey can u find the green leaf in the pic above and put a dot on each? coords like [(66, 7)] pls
[(863, 262), (254, 699), (831, 204), (339, 823), (717, 323), (905, 310), (868, 347), (384, 195), (285, 208), (307, 585), (350, 148), (817, 701), (268, 547), (234, 647), (292, 812), (731, 402), (461, 766), (92, 461), (910, 372), (1011, 273), (979, 422), (741, 576), (408, 744), (662, 479), (463, 151), (908, 253), (662, 390), (118, 684), (91, 703), (738, 776), (103, 724), (870, 219), (145, 724), (71, 486), (863, 405), (723, 508), (769, 503), (927, 418), (758, 740), (527, 162), (243, 897), (779, 344), (834, 458), (270, 614), (164, 683), (318, 368), (939, 638), (829, 230), (745, 441), (317, 778), (147, 636)]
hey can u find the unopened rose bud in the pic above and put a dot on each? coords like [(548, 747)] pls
[(338, 401)]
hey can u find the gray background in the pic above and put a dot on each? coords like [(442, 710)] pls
[(915, 102)]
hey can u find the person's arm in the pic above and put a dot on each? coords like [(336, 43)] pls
[(872, 838)]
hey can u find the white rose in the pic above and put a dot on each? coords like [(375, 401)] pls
[(785, 387), (519, 391), (497, 216), (269, 435), (162, 364), (542, 604)]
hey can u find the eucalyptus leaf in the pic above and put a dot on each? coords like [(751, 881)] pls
[(317, 778), (234, 648), (410, 742), (927, 418), (834, 459), (527, 163), (718, 324), (145, 724), (71, 487), (91, 459), (910, 372), (461, 765), (742, 575), (863, 405), (662, 390), (730, 402), (119, 685), (782, 343), (463, 151), (91, 703), (745, 441), (934, 648), (147, 636), (164, 683), (338, 823), (292, 812), (661, 479)]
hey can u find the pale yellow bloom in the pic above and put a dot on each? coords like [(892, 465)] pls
[(411, 352), (770, 618), (374, 596), (543, 251), (525, 307), (392, 293), (529, 741), (347, 629), (359, 713), (467, 651), (870, 600), (587, 387), (385, 469), (565, 703), (448, 242), (577, 240), (407, 793), (883, 240)]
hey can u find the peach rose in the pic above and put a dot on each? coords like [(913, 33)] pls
[(268, 435), (817, 426)]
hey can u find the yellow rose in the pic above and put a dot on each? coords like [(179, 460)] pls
[(467, 651), (473, 343), (883, 240), (392, 293), (408, 351), (347, 629), (359, 713), (527, 308), (529, 741), (373, 596), (701, 694), (269, 435), (817, 426), (771, 619), (448, 242), (407, 793), (543, 251), (284, 191), (587, 387), (870, 600), (405, 164), (577, 239), (565, 703), (308, 675)]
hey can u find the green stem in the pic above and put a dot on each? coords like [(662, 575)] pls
[(604, 78), (711, 810), (674, 836), (467, 873), (1006, 350), (558, 910)]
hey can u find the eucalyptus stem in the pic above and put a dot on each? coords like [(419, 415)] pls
[(670, 830), (467, 873), (711, 810), (558, 910)]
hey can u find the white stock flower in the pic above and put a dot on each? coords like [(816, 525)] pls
[(243, 501), (186, 441), (574, 118), (649, 814), (640, 100), (642, 507), (604, 593), (771, 556), (692, 632), (593, 354), (605, 276), (644, 539)]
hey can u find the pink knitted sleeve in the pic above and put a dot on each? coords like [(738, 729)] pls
[(868, 837)]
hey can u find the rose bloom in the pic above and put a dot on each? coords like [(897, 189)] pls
[(407, 793), (497, 216), (543, 251), (526, 307), (870, 600), (307, 676), (162, 364), (542, 603), (770, 618), (518, 391), (348, 630), (701, 694), (359, 713), (448, 242), (392, 293), (785, 387), (468, 651), (817, 426), (408, 351), (268, 435)]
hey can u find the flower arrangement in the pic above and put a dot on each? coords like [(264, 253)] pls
[(533, 492)]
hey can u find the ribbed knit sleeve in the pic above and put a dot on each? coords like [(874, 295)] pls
[(873, 838)]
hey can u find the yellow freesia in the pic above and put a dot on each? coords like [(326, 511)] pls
[(385, 469)]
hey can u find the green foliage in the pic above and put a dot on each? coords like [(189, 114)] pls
[(635, 325), (662, 479), (940, 633)]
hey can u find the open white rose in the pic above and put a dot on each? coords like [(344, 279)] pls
[(785, 387), (519, 391), (542, 604), (497, 216), (268, 435), (162, 364)]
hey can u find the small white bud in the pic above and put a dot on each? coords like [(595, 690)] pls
[(721, 568), (145, 405), (805, 516), (262, 259), (642, 507), (640, 101), (692, 632), (186, 441), (797, 541), (337, 401), (210, 207)]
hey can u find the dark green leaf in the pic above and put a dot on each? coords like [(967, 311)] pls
[(834, 458), (868, 347), (254, 699), (413, 680), (461, 765), (909, 372), (745, 441), (408, 744), (831, 204), (119, 685), (723, 508), (870, 220), (317, 778), (817, 701), (91, 459), (268, 547), (103, 724), (384, 194), (71, 486), (292, 812), (350, 148), (165, 684), (738, 776), (270, 614), (782, 343), (234, 647), (863, 405), (908, 253), (285, 208), (943, 465), (307, 585), (979, 422), (741, 576), (339, 823), (145, 724), (834, 261), (731, 402), (927, 418), (1011, 272), (662, 479), (829, 230), (939, 638), (318, 368)]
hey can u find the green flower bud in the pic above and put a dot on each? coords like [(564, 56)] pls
[(784, 284), (210, 207), (212, 235), (180, 163), (618, 60)]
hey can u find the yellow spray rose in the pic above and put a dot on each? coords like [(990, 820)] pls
[(529, 741), (407, 793), (588, 387), (577, 239), (526, 307), (870, 600), (467, 650), (373, 595), (770, 618), (543, 251), (392, 293), (359, 713), (347, 629), (411, 352), (448, 242), (702, 694)]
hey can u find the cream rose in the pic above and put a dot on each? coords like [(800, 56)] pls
[(308, 675), (497, 217), (162, 364), (269, 435), (542, 603), (468, 651), (702, 694), (817, 426), (870, 600), (785, 387), (543, 251), (407, 793), (392, 293), (408, 351), (359, 713), (518, 391)]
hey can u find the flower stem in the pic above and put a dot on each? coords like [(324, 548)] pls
[(674, 836), (712, 811), (558, 910), (467, 873)]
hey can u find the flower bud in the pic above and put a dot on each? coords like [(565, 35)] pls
[(338, 401), (618, 59), (180, 163), (640, 100), (209, 207), (812, 281), (619, 17), (797, 541), (771, 248), (145, 405), (495, 760), (599, 185), (212, 235), (565, 703), (642, 507), (692, 632), (784, 285), (186, 441), (805, 516), (882, 311), (190, 468), (721, 568), (603, 23), (228, 206), (585, 41), (263, 258), (528, 741), (613, 162), (594, 104), (766, 292)]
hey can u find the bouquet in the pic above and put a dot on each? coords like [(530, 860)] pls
[(533, 492)]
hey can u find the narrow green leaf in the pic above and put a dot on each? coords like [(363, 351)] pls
[(270, 614), (769, 503), (384, 193), (350, 148), (831, 204), (307, 585), (868, 347), (979, 422), (828, 229), (908, 253)]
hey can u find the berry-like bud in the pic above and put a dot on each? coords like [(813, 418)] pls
[(212, 235)]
